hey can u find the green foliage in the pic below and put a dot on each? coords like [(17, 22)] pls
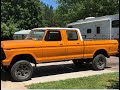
[(9, 28), (4, 34), (73, 10), (28, 14), (48, 16), (24, 14), (103, 81)]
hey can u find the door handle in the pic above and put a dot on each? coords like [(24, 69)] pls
[(78, 43), (61, 44)]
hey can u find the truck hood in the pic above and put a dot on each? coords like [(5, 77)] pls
[(12, 44)]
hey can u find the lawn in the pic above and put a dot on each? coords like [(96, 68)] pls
[(104, 81)]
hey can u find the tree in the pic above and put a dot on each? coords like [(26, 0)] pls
[(8, 29), (27, 13), (48, 16), (20, 14), (72, 10)]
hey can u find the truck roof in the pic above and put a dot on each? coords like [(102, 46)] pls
[(57, 28)]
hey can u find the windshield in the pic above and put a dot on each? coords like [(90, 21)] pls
[(36, 35)]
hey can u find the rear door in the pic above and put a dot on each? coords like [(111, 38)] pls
[(53, 47), (74, 45)]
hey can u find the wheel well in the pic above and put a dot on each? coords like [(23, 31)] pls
[(27, 57), (102, 51)]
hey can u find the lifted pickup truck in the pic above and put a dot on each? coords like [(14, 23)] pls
[(53, 44)]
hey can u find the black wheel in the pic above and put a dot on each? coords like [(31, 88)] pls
[(21, 70), (99, 62), (78, 62)]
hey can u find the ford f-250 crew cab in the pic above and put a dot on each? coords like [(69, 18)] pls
[(53, 44)]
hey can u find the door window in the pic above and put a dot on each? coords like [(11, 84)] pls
[(53, 36)]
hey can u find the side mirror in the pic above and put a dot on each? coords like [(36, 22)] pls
[(84, 36)]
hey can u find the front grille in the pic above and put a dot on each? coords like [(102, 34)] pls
[(2, 54)]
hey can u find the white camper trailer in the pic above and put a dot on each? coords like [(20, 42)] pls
[(20, 35), (105, 27)]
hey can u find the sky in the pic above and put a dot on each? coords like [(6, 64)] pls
[(50, 2)]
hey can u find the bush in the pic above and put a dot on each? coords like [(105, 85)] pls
[(7, 30)]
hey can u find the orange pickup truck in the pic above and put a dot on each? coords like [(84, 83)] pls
[(53, 44)]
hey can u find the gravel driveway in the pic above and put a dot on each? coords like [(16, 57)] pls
[(58, 71)]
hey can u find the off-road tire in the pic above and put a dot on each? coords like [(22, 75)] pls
[(99, 62), (21, 70)]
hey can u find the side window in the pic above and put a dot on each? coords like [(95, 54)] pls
[(115, 24), (23, 37), (53, 36), (70, 27), (72, 35), (38, 35), (17, 37), (98, 30), (89, 30)]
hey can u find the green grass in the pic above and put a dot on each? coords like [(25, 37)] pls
[(104, 81)]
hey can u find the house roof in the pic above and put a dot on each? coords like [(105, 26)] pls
[(23, 32), (95, 19), (86, 21)]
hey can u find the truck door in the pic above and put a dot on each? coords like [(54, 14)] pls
[(74, 45), (53, 48)]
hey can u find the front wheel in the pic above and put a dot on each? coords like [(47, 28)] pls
[(21, 70), (99, 62)]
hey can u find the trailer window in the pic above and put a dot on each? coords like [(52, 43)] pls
[(98, 30), (70, 27), (89, 30), (115, 23)]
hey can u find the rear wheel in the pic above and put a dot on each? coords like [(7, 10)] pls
[(99, 62), (21, 70)]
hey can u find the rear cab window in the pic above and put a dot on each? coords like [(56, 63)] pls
[(72, 35)]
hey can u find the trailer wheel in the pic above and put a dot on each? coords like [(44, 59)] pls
[(21, 70), (99, 62), (78, 62)]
